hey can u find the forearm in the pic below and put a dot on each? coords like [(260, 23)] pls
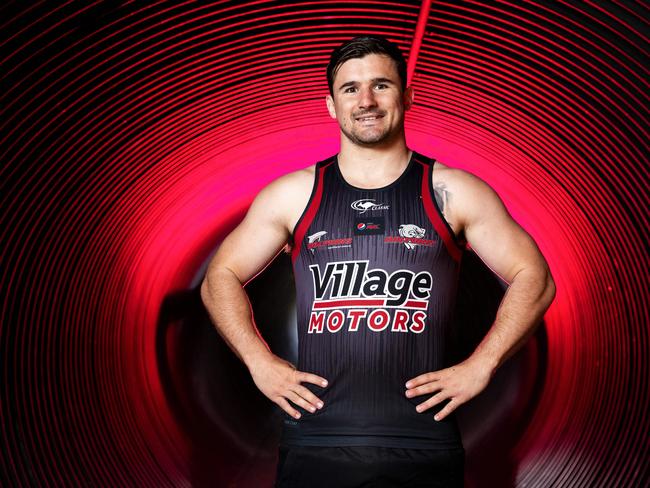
[(230, 312), (526, 300)]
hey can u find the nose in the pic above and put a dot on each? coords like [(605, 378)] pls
[(366, 98)]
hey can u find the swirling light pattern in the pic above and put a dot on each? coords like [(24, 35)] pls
[(135, 135)]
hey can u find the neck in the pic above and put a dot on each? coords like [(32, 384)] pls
[(373, 165)]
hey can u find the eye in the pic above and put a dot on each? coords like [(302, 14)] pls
[(381, 85), (347, 90)]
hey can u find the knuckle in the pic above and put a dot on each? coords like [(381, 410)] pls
[(310, 400)]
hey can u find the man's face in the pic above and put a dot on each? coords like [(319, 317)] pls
[(368, 101)]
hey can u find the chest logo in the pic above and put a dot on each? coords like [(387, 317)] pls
[(316, 237), (350, 293), (411, 236), (364, 226), (365, 204), (314, 241), (411, 230)]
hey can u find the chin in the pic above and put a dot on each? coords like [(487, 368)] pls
[(375, 140)]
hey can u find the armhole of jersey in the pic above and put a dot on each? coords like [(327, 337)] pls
[(309, 212), (452, 243)]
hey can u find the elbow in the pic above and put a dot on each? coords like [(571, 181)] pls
[(542, 282), (550, 289), (215, 277), (209, 283), (205, 290)]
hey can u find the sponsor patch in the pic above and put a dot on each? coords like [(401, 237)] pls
[(349, 293), (411, 236), (368, 226), (318, 240)]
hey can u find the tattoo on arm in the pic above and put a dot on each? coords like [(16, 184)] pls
[(443, 199), (442, 196)]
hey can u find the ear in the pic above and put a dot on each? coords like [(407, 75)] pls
[(409, 97), (330, 106)]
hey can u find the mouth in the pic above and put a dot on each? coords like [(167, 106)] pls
[(368, 119)]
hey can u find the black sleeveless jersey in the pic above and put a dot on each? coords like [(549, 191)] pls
[(376, 274)]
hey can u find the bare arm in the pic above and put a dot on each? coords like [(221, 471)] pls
[(245, 252), (512, 254), (238, 259)]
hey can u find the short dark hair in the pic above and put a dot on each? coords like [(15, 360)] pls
[(361, 46)]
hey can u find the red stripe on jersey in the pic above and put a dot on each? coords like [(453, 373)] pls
[(365, 302), (436, 218), (350, 303), (309, 214)]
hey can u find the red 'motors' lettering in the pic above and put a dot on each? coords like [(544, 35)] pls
[(335, 321), (418, 324), (316, 321), (355, 318), (378, 320), (399, 324)]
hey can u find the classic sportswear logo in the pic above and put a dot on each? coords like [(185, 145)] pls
[(365, 204)]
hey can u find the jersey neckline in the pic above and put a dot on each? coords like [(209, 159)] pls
[(390, 185)]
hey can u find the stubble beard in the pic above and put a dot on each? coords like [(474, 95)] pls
[(368, 138)]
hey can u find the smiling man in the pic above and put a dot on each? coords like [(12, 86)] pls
[(377, 234)]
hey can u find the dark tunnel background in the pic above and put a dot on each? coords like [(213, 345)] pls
[(134, 135)]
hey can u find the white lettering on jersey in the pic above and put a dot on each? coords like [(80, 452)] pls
[(365, 204), (368, 294)]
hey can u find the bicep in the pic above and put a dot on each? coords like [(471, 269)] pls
[(501, 243), (255, 241)]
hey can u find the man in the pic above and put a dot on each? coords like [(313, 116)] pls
[(377, 235)]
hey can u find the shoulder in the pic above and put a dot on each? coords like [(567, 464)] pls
[(458, 179), (290, 186), (468, 196), (286, 196)]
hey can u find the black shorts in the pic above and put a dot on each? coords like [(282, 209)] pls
[(367, 466)]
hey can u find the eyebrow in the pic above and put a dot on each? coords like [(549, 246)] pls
[(374, 80)]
